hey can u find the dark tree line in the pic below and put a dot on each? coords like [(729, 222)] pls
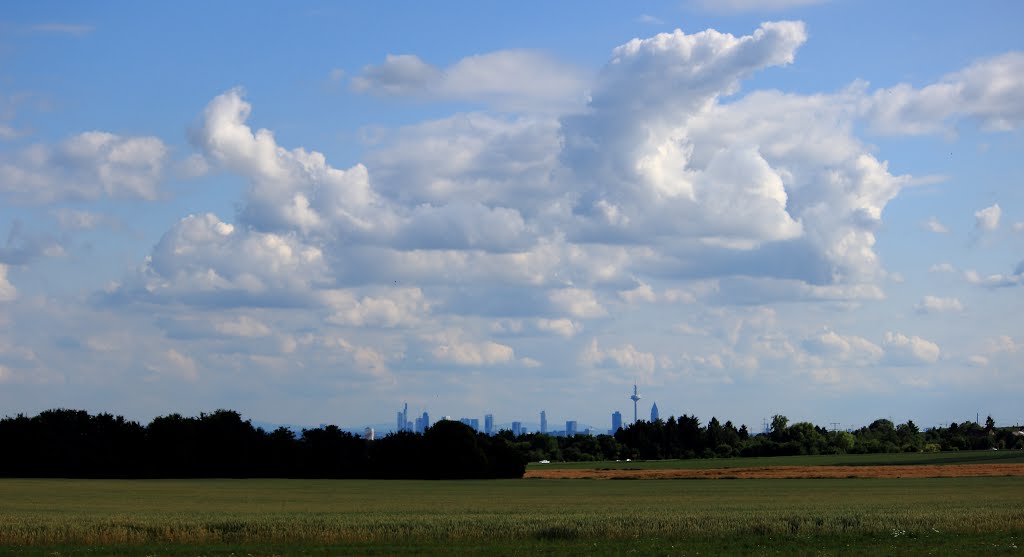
[(74, 444)]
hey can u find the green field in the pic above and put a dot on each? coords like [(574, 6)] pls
[(967, 516), (885, 459)]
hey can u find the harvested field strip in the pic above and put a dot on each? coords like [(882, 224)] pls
[(880, 459), (787, 472)]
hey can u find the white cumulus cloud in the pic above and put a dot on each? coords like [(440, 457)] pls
[(449, 346), (987, 219), (577, 302), (85, 167), (833, 347), (990, 91), (7, 291), (394, 308), (933, 225), (903, 350), (290, 190), (207, 261), (562, 327), (642, 293), (626, 357)]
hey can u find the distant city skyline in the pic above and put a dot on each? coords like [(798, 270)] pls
[(491, 425)]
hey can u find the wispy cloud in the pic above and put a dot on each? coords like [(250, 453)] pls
[(650, 20), (511, 79), (72, 29), (7, 132), (933, 225)]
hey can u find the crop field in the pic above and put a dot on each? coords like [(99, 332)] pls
[(885, 459), (950, 516)]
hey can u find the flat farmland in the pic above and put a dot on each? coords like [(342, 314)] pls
[(783, 472), (896, 465), (945, 516), (885, 459)]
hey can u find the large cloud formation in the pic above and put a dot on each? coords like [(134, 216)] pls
[(667, 186)]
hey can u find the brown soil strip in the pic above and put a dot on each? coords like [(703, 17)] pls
[(789, 472)]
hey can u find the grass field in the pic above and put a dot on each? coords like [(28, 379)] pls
[(888, 459), (512, 517)]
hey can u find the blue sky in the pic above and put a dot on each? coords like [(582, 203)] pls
[(314, 212)]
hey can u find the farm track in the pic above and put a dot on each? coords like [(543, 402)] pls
[(789, 472)]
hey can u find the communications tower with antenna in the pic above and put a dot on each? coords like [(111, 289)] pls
[(635, 398)]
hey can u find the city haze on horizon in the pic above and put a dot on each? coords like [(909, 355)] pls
[(812, 209)]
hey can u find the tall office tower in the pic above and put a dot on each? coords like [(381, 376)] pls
[(401, 422), (543, 422), (368, 434), (654, 412), (634, 398), (616, 421), (418, 426), (403, 419), (517, 428), (466, 421), (570, 428), (474, 423), (426, 420), (489, 424)]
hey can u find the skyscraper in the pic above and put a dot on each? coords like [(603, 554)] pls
[(489, 424), (422, 423), (635, 398), (570, 428), (517, 428), (654, 412), (474, 423), (616, 421), (543, 422), (403, 419)]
